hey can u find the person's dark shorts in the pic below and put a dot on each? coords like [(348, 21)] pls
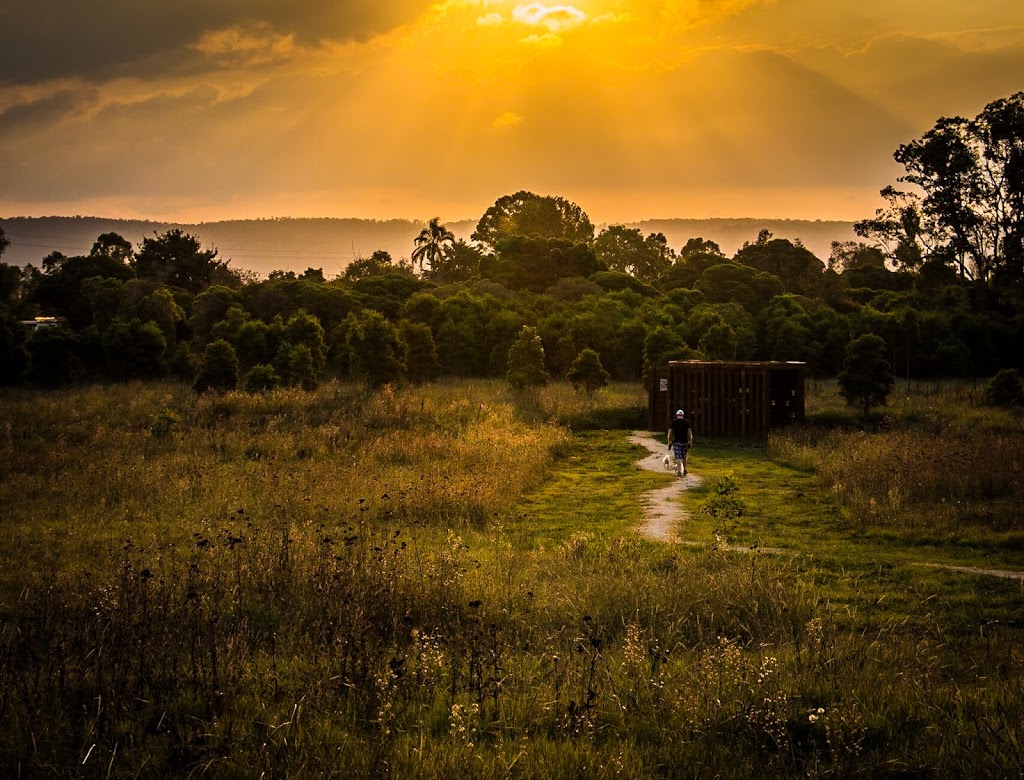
[(679, 450)]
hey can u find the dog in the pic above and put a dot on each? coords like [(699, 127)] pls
[(667, 462)]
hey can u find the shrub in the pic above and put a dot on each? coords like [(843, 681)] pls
[(526, 361), (867, 377), (1005, 389), (301, 369), (164, 423), (587, 372), (260, 378), (376, 353), (421, 355), (219, 369)]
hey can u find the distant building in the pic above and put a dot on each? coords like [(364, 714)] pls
[(42, 322), (723, 398)]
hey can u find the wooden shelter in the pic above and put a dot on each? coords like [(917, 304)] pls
[(727, 398)]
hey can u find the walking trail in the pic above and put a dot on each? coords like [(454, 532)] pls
[(664, 511)]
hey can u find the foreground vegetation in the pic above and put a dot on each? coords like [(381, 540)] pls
[(444, 582)]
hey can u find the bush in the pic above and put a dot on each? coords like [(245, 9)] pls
[(587, 372), (526, 361), (219, 369), (260, 378), (421, 352), (867, 377), (301, 368), (1005, 389), (376, 353)]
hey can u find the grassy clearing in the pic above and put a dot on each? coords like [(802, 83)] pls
[(939, 472), (444, 583), (595, 491), (780, 511)]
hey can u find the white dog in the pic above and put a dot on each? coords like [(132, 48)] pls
[(667, 462)]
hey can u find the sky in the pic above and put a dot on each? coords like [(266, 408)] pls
[(203, 110)]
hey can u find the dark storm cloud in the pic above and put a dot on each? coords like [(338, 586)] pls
[(44, 39), (44, 112)]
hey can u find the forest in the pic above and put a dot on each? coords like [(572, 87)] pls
[(937, 275)]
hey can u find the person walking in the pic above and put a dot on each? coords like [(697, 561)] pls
[(680, 439)]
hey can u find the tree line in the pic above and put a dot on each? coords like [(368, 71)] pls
[(938, 279)]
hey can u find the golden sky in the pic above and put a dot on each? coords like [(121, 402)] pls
[(203, 110)]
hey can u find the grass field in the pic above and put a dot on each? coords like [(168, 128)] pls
[(447, 582)]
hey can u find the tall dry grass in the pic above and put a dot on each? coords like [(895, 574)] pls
[(82, 469), (940, 461)]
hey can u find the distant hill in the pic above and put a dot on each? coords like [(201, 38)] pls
[(260, 245), (294, 244)]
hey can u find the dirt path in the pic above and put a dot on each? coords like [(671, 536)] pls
[(1001, 573), (664, 511)]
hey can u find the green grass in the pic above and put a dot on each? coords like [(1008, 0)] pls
[(787, 510), (595, 490)]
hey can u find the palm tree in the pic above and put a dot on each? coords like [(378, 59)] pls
[(433, 242)]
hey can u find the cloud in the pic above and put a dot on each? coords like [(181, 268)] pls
[(508, 119), (291, 106), (924, 77), (545, 41), (553, 18), (50, 39), (676, 15), (246, 45), (33, 115)]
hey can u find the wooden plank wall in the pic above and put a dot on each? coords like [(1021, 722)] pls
[(731, 399)]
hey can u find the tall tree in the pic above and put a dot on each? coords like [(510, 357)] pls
[(625, 249), (526, 361), (219, 368), (303, 329), (852, 255), (967, 205), (61, 292), (536, 263), (867, 378), (113, 245), (460, 263), (526, 214), (421, 353), (134, 349), (376, 353), (700, 246), (301, 369), (587, 372), (178, 259), (380, 263), (798, 269), (432, 244)]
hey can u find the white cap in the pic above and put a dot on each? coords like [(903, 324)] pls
[(680, 413)]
